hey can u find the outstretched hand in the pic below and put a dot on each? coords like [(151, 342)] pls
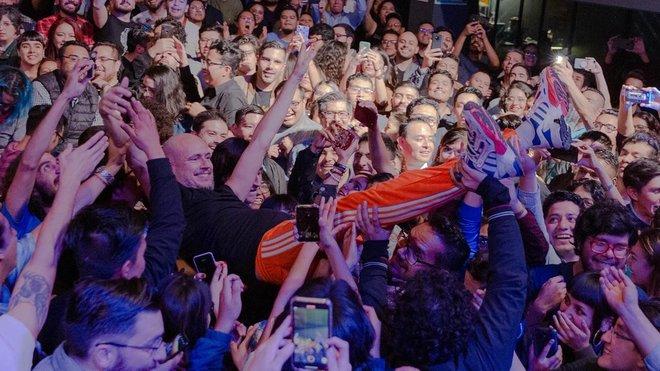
[(142, 130), (78, 78), (370, 225), (619, 290), (78, 164), (367, 113), (273, 352)]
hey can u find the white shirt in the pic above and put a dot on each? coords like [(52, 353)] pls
[(16, 344)]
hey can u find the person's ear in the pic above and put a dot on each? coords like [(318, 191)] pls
[(104, 356), (126, 270), (632, 193)]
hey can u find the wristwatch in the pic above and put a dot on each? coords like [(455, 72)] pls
[(105, 176)]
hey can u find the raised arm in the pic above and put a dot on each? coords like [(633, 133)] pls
[(624, 125), (31, 297), (601, 84), (20, 190), (248, 165), (99, 13), (370, 24), (584, 109), (493, 59), (367, 114), (460, 40), (356, 17), (329, 245)]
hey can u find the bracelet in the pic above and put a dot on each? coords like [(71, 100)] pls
[(340, 166), (105, 176)]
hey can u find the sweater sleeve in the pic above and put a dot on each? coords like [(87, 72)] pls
[(209, 351), (498, 326), (166, 224), (373, 276), (302, 176), (469, 220), (534, 242)]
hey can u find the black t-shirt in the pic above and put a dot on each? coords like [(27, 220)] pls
[(114, 31), (219, 222)]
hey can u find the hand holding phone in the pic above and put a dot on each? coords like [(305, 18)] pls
[(307, 222), (542, 336), (312, 327), (436, 41), (205, 263)]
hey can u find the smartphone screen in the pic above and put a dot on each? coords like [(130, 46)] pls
[(205, 263), (311, 330), (363, 47), (343, 138), (307, 222), (303, 31)]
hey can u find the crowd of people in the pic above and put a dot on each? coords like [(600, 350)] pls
[(478, 208)]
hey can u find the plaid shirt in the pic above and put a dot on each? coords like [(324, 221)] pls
[(43, 26)]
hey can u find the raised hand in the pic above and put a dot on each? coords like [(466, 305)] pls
[(367, 113), (230, 303), (78, 78), (377, 326), (430, 56), (143, 131), (239, 349), (552, 293), (181, 55), (78, 164), (115, 102), (619, 290), (216, 284), (573, 332), (305, 57), (370, 225), (273, 352), (638, 46), (327, 211), (542, 362), (338, 355)]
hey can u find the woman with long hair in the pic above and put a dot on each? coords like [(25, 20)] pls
[(161, 89), (62, 30)]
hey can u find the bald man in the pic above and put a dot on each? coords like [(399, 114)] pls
[(190, 158)]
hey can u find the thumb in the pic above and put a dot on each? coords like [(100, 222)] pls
[(124, 82)]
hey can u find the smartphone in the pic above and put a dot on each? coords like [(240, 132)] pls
[(636, 96), (569, 155), (303, 31), (581, 63), (205, 263), (344, 138), (542, 336), (312, 327), (623, 44), (307, 222), (256, 336), (363, 47), (436, 41), (178, 345)]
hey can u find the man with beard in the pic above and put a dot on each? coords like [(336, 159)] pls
[(480, 56), (106, 66), (155, 11), (288, 25), (270, 65), (68, 9), (32, 189), (177, 9), (114, 26)]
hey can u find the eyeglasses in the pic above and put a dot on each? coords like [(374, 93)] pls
[(388, 42), (425, 31), (329, 115), (104, 59), (599, 125), (149, 349), (411, 254), (358, 90), (75, 58), (600, 247), (209, 64), (515, 100)]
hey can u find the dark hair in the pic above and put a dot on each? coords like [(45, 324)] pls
[(51, 50), (36, 114), (14, 16), (431, 322), (440, 72), (651, 121), (649, 241), (289, 8), (103, 307), (396, 16), (647, 138), (210, 27), (230, 53), (390, 32), (225, 157), (69, 43), (589, 77), (321, 29), (330, 59), (204, 116), (379, 178), (586, 288), (560, 196), (592, 186), (349, 320), (284, 202), (103, 238), (470, 90), (347, 28), (250, 108), (454, 135), (639, 172), (117, 49), (17, 84), (508, 121), (478, 267), (419, 102), (444, 29), (597, 136), (186, 304), (136, 37), (271, 45), (607, 217), (358, 76), (651, 309), (30, 36), (607, 156), (456, 250), (636, 74), (174, 29)]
